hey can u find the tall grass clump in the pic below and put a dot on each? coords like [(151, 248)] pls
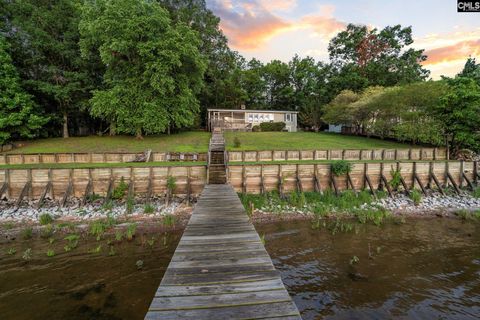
[(375, 215), (416, 196), (396, 178), (119, 191), (45, 219), (476, 192)]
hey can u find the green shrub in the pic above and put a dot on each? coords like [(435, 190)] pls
[(130, 205), (468, 215), (45, 219), (171, 184), (256, 128), (72, 242), (97, 228), (119, 191), (236, 142), (476, 192), (341, 167), (168, 220), (148, 208), (272, 126), (131, 230), (416, 196), (396, 178), (297, 199), (375, 215), (47, 232), (27, 233)]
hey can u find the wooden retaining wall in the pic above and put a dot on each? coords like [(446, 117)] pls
[(96, 157), (315, 177), (244, 178), (375, 154), (189, 180)]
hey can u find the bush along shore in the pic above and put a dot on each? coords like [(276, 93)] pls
[(362, 206)]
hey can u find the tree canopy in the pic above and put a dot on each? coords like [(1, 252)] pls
[(154, 68), (18, 115)]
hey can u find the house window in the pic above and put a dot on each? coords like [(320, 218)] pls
[(256, 118), (261, 117), (250, 117), (288, 117)]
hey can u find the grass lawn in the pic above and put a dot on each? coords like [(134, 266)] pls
[(305, 141), (182, 142)]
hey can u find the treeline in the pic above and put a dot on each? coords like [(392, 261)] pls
[(146, 67), (445, 112)]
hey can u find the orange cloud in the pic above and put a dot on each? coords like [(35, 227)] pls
[(249, 24), (278, 5), (323, 26), (458, 51)]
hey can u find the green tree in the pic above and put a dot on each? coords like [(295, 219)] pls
[(279, 89), (459, 114), (223, 78), (45, 48), (154, 68), (18, 117), (382, 57), (340, 110), (255, 85), (471, 70)]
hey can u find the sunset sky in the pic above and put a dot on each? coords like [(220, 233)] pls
[(278, 29)]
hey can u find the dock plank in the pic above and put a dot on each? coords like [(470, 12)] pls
[(220, 269)]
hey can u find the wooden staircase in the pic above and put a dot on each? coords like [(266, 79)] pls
[(217, 165)]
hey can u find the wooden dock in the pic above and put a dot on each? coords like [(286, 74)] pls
[(220, 269)]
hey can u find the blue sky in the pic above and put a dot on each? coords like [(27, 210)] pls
[(279, 29)]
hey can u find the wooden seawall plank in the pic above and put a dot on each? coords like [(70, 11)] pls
[(220, 269)]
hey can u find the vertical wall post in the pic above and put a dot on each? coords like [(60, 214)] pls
[(475, 172), (446, 174), (189, 189), (461, 173), (414, 174), (9, 188)]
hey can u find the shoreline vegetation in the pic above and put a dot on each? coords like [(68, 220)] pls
[(322, 209)]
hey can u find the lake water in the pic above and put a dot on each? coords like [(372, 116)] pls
[(422, 269)]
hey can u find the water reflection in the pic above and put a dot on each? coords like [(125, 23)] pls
[(423, 269)]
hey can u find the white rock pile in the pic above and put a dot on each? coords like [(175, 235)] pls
[(74, 211), (431, 203)]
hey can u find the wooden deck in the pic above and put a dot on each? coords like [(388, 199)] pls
[(220, 269)]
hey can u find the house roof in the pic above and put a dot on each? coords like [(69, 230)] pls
[(248, 110)]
